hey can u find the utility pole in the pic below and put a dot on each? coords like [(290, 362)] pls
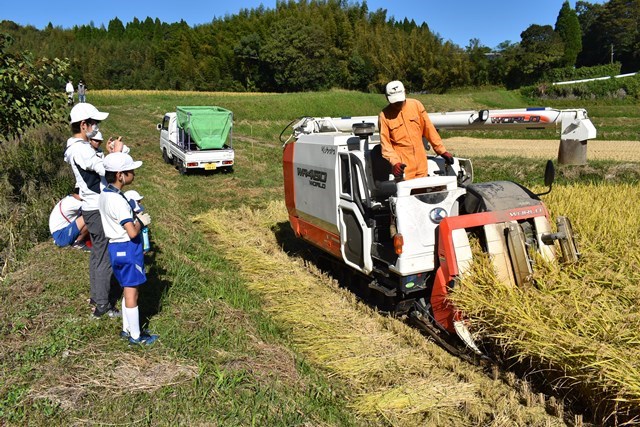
[(612, 53)]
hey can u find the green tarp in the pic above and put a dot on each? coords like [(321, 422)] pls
[(209, 127)]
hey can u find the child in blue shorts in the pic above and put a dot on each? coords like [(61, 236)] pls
[(66, 223), (122, 228)]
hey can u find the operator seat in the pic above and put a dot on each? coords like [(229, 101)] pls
[(381, 186)]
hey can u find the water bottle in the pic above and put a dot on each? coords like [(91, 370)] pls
[(146, 244)]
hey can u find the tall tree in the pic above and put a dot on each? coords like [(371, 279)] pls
[(297, 56), (115, 28), (568, 27), (479, 71), (610, 28), (540, 50)]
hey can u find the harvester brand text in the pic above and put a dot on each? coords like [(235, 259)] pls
[(329, 150), (516, 119), (316, 178), (529, 211)]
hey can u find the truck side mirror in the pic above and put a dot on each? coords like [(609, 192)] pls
[(159, 126)]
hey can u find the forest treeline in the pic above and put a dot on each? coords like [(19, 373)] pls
[(312, 45)]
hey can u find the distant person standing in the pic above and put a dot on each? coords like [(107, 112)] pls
[(69, 90), (82, 92)]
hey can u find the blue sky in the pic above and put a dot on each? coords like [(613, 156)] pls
[(491, 21)]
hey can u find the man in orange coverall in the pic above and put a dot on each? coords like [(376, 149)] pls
[(402, 125)]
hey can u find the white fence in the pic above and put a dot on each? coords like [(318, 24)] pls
[(591, 80)]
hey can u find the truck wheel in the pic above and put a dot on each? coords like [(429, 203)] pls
[(166, 157), (181, 167), (228, 170)]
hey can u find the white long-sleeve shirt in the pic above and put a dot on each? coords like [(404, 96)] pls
[(88, 169)]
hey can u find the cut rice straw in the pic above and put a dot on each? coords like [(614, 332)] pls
[(391, 371)]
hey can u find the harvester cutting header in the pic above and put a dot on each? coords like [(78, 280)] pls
[(408, 241)]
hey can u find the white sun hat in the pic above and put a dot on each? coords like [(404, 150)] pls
[(120, 162), (86, 111), (98, 137), (133, 195)]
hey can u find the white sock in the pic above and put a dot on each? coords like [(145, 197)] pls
[(133, 320), (125, 322)]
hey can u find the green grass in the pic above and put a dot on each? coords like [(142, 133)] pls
[(221, 360)]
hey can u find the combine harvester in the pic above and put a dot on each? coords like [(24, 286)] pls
[(408, 241)]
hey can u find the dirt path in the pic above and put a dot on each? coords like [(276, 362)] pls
[(546, 149)]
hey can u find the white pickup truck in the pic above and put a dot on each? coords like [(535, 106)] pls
[(198, 137)]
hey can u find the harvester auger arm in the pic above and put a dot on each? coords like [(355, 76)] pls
[(574, 125)]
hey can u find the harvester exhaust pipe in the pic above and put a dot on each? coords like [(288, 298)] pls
[(364, 131)]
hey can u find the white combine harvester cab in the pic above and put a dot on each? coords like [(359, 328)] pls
[(408, 241)]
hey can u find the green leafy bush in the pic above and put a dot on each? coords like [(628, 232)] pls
[(26, 91), (32, 170), (33, 176)]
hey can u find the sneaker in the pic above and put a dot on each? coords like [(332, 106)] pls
[(144, 339), (125, 334), (106, 310), (81, 246)]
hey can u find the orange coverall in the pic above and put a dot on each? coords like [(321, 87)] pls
[(401, 135)]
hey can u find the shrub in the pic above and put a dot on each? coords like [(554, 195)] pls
[(618, 88), (33, 176), (571, 73)]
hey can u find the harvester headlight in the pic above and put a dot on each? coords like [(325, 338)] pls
[(437, 214)]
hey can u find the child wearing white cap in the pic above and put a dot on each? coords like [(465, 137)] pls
[(134, 200), (88, 170), (122, 227)]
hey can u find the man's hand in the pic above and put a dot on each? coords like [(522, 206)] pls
[(144, 218), (398, 169), (114, 145), (448, 158)]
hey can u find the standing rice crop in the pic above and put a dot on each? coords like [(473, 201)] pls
[(579, 326)]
